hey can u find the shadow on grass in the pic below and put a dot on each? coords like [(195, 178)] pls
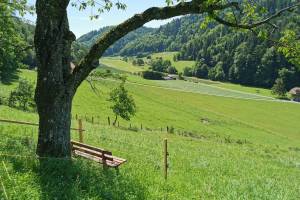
[(82, 179), (7, 78), (71, 179)]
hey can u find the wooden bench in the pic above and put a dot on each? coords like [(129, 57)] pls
[(96, 154)]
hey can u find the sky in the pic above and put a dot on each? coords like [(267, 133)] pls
[(81, 24)]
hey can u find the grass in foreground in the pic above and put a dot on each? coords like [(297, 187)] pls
[(199, 168)]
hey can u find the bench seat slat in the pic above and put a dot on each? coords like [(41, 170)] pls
[(97, 159), (99, 154)]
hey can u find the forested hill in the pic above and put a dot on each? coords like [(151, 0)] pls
[(222, 53), (169, 37), (90, 38)]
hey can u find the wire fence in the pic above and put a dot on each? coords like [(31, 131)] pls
[(140, 153)]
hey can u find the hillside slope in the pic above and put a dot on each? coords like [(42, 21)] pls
[(221, 148)]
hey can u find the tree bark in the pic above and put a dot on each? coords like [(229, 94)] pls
[(54, 93)]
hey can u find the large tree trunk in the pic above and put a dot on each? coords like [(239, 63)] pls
[(54, 93), (54, 127)]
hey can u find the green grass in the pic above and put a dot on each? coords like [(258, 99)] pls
[(120, 65), (179, 65), (202, 87), (222, 148), (117, 64)]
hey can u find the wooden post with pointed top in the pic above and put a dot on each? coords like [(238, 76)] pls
[(80, 130)]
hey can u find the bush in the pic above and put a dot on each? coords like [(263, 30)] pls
[(172, 70), (180, 77), (152, 75), (140, 62), (160, 65), (188, 71), (279, 88), (23, 96), (200, 70)]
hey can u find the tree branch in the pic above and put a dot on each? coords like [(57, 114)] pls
[(86, 65), (255, 24)]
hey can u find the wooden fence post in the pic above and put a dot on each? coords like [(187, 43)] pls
[(141, 126), (165, 167), (167, 129), (92, 119), (118, 124), (80, 130), (108, 120), (76, 117)]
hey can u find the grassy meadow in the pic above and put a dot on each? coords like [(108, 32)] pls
[(229, 142), (117, 64)]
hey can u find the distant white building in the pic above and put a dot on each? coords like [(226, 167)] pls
[(295, 93), (170, 77)]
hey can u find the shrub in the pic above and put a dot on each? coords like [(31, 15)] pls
[(23, 96), (172, 70), (200, 70), (188, 71), (279, 88), (160, 65), (140, 62), (152, 75), (180, 76)]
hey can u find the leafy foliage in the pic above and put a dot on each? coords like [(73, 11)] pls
[(15, 37), (123, 103), (23, 96), (279, 88), (291, 46), (138, 62), (161, 65), (152, 75)]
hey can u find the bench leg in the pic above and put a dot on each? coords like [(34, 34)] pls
[(105, 167)]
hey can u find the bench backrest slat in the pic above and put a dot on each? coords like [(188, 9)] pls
[(90, 147), (93, 153)]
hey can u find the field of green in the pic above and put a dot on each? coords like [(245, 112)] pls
[(221, 148), (207, 86), (180, 65), (118, 64)]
